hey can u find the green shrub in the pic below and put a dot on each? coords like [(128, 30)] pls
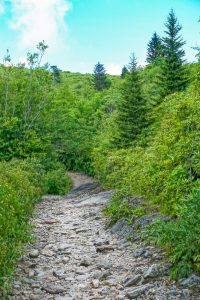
[(166, 170), (19, 192), (180, 238), (119, 208), (57, 182)]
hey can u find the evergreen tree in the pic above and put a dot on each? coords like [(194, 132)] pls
[(131, 109), (124, 72), (154, 48), (56, 74), (99, 77), (173, 77)]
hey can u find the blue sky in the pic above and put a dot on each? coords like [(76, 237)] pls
[(81, 32)]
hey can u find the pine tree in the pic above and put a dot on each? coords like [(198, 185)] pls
[(173, 77), (56, 74), (154, 48), (100, 78), (131, 109), (124, 72)]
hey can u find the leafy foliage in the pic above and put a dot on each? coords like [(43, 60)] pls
[(180, 237), (163, 167), (20, 189), (139, 137), (56, 182), (118, 209)]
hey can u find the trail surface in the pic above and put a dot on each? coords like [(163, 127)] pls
[(76, 256)]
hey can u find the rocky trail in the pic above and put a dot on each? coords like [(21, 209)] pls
[(76, 256)]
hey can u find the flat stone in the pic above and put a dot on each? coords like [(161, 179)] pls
[(140, 252), (48, 253), (63, 247), (81, 230), (102, 275), (104, 248), (130, 281), (59, 273), (138, 291), (35, 285), (53, 289), (65, 298), (104, 264), (119, 225), (86, 262), (34, 297), (153, 271), (191, 281), (50, 221), (102, 243)]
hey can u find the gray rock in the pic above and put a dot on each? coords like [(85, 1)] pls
[(64, 298), (81, 230), (102, 275), (124, 230), (47, 252), (119, 226), (140, 252), (50, 221), (129, 281), (34, 253), (147, 219), (191, 281), (31, 273), (63, 247), (35, 285), (86, 262), (82, 277), (95, 283), (66, 259), (102, 242), (153, 271), (39, 273), (34, 297), (53, 289), (136, 292), (104, 264), (104, 248), (59, 273)]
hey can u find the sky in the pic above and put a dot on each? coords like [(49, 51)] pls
[(82, 32)]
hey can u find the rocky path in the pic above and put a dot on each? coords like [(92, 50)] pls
[(76, 256)]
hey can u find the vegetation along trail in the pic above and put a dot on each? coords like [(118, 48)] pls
[(76, 256), (133, 231)]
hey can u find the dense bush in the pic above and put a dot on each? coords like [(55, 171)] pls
[(180, 237), (20, 189), (119, 208), (168, 168), (56, 182), (162, 166)]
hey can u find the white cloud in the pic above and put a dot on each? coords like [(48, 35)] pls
[(113, 69), (38, 20)]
